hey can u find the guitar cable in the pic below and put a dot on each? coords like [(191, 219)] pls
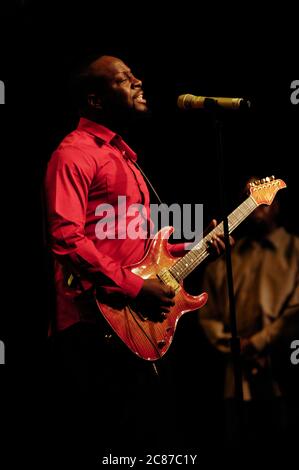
[(145, 333)]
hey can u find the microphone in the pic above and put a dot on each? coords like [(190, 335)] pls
[(201, 102)]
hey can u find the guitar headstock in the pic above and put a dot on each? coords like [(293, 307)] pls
[(264, 191)]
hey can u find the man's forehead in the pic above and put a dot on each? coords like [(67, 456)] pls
[(109, 66)]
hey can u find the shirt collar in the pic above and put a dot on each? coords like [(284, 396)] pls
[(107, 136), (275, 240)]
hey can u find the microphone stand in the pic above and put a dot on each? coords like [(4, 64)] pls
[(236, 416)]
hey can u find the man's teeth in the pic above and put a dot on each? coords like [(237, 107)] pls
[(140, 99)]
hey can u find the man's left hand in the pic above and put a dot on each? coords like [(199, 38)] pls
[(217, 242), (248, 350)]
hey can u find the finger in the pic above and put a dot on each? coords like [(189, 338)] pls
[(169, 291), (210, 227), (219, 245), (221, 238), (157, 314), (165, 310), (166, 302), (162, 317), (216, 245)]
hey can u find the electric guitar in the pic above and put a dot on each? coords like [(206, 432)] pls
[(148, 339)]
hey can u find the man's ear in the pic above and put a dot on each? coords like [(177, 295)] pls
[(94, 101)]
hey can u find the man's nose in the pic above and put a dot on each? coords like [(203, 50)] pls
[(136, 83)]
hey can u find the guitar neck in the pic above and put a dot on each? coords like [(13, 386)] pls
[(200, 252)]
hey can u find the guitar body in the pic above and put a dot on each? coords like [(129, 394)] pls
[(150, 340)]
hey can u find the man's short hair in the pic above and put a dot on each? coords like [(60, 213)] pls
[(83, 81)]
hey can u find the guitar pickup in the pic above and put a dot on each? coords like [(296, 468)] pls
[(167, 278)]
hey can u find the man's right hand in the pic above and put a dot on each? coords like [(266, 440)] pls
[(155, 299)]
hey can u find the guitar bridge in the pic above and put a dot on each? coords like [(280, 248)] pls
[(165, 276)]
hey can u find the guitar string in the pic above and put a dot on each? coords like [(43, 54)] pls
[(235, 222), (249, 205), (201, 258), (190, 267), (184, 271), (197, 261)]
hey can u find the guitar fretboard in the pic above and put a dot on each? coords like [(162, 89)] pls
[(200, 252)]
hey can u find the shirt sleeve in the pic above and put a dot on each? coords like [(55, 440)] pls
[(68, 178)]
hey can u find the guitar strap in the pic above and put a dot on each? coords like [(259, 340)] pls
[(148, 182), (71, 278)]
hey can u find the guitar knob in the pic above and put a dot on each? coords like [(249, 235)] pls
[(161, 344)]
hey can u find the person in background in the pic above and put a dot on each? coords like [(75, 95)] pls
[(265, 264)]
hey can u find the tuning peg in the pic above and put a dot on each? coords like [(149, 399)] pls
[(268, 179), (272, 177)]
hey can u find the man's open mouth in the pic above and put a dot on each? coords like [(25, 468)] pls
[(140, 99)]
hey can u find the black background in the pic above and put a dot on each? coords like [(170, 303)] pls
[(182, 49)]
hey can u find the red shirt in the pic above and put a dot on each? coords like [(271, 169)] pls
[(93, 166)]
